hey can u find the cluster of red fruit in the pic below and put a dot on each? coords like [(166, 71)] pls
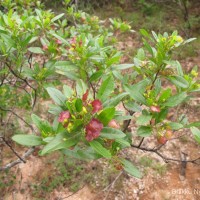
[(162, 139), (94, 127)]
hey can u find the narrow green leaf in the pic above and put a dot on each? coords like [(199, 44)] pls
[(100, 149), (82, 154), (68, 92), (189, 40), (165, 94), (175, 100), (133, 106), (143, 119), (122, 142), (42, 125), (65, 66), (154, 35), (131, 169), (57, 17), (193, 124), (196, 133), (95, 76), (54, 109), (27, 140), (106, 88), (59, 37), (59, 142), (111, 133), (178, 81), (122, 66), (81, 87), (179, 69), (36, 50), (114, 101), (175, 125), (144, 33), (56, 95), (144, 131), (135, 94), (79, 105), (106, 115)]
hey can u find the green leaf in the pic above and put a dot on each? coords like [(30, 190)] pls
[(28, 140), (122, 118), (88, 154), (178, 81), (42, 125), (131, 169), (56, 95), (82, 154), (95, 76), (67, 69), (148, 48), (144, 131), (36, 50), (111, 133), (106, 88), (68, 92), (196, 133), (59, 142), (195, 124), (179, 68), (143, 119), (81, 87), (59, 37), (154, 35), (144, 33), (106, 115), (54, 109), (79, 105), (100, 149), (175, 100), (158, 86), (123, 142), (69, 74), (161, 115), (114, 101), (165, 95), (57, 17), (135, 94), (133, 106), (175, 126), (122, 66), (141, 54), (189, 40), (65, 66)]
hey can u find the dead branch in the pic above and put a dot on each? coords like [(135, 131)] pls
[(165, 158), (18, 161)]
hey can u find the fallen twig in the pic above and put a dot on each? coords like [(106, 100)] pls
[(18, 161)]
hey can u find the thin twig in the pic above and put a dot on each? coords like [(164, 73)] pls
[(27, 83), (8, 110), (72, 193), (112, 184), (139, 145), (165, 158), (12, 149)]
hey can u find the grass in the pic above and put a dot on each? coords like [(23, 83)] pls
[(72, 174), (7, 180), (165, 18), (148, 162), (62, 173)]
